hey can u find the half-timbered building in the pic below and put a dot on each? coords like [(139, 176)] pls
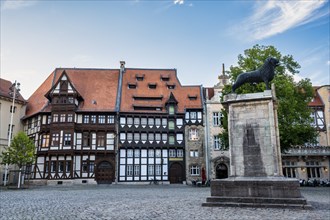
[(153, 106), (72, 118)]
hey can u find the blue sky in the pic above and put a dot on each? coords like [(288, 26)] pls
[(195, 37)]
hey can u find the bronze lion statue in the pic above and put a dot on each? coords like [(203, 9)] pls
[(263, 74)]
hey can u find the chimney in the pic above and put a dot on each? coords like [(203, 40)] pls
[(223, 69), (122, 66)]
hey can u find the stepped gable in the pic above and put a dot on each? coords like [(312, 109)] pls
[(5, 90), (97, 88), (151, 88)]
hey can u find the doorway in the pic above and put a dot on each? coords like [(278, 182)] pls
[(104, 173), (176, 173), (221, 171)]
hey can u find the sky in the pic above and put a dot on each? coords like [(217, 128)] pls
[(194, 37)]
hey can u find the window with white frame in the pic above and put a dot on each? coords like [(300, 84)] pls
[(143, 136), (157, 136), (60, 166), (164, 137), (193, 153), (122, 121), (45, 140), (151, 136), (289, 169), (216, 142), (171, 125), (193, 115), (136, 137), (67, 140), (137, 153), (151, 122), (55, 139), (158, 170), (217, 118), (158, 153), (164, 122), (179, 137), (151, 153), (129, 170), (62, 117), (122, 137), (151, 170), (111, 119), (93, 119), (53, 167), (86, 119), (70, 117), (136, 121), (179, 153), (171, 139), (101, 119), (144, 121), (193, 134), (136, 170), (313, 169), (55, 117), (130, 121), (172, 153), (179, 122), (101, 139), (194, 170), (157, 122), (129, 153), (171, 110), (129, 136)]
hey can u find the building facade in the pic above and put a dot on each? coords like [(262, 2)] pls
[(72, 119), (217, 154), (6, 110), (312, 161)]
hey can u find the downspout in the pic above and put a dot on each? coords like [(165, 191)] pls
[(117, 109), (206, 130)]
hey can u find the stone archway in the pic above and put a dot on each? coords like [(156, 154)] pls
[(104, 173), (221, 171)]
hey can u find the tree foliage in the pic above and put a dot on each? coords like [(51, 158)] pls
[(20, 152), (293, 97)]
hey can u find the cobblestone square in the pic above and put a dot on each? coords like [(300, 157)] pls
[(142, 202)]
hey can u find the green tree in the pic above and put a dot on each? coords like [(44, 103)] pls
[(20, 152), (293, 97)]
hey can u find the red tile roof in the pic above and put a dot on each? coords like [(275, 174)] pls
[(154, 77), (98, 88), (317, 101), (6, 92)]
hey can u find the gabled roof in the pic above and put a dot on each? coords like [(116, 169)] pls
[(97, 87), (317, 101), (164, 83), (5, 91)]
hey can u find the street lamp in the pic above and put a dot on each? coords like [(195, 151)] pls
[(14, 93)]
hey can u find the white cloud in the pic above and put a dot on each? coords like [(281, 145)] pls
[(179, 2), (274, 17), (328, 62), (16, 4)]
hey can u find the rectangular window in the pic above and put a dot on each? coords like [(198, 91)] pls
[(151, 137), (129, 137), (217, 143), (179, 137), (151, 122), (86, 139), (11, 109), (136, 170), (49, 119), (164, 122), (171, 125), (62, 117), (194, 153), (158, 169), (193, 134), (171, 139), (136, 153), (151, 170), (111, 119), (129, 153), (179, 153), (130, 121), (86, 119), (144, 136), (157, 122), (11, 131), (217, 118), (70, 117), (93, 119), (129, 171), (45, 140), (194, 170), (67, 140), (151, 153), (53, 167), (179, 122), (136, 137), (101, 119), (68, 166), (144, 121), (55, 139), (84, 167), (91, 166), (136, 122), (101, 139), (171, 110), (158, 137), (172, 153), (164, 137), (61, 166), (55, 117), (193, 115), (158, 153), (122, 137), (122, 121)]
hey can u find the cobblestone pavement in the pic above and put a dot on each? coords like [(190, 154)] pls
[(142, 202)]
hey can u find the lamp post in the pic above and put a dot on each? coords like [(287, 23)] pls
[(14, 92)]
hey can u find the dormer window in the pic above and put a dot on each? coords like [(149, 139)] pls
[(165, 78), (139, 77), (171, 86), (171, 110), (192, 97), (152, 85), (132, 85)]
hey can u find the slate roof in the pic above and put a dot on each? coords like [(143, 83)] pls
[(97, 87), (162, 79), (5, 91)]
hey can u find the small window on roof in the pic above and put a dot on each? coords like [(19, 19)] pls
[(152, 85), (165, 78), (139, 77), (192, 97), (171, 86), (131, 86)]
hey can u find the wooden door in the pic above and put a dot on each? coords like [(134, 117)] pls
[(104, 173), (176, 173), (221, 171)]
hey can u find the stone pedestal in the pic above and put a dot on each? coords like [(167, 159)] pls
[(255, 158)]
